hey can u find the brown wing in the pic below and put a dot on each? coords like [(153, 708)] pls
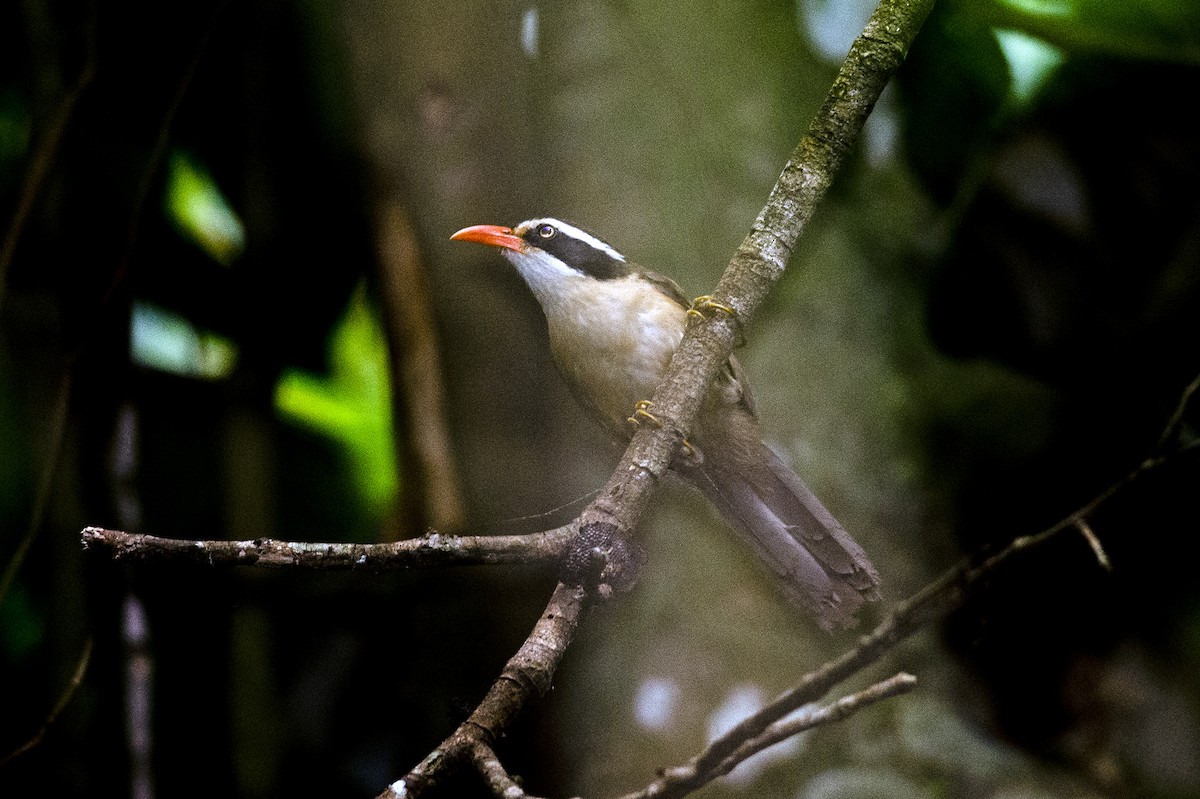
[(666, 286), (735, 373), (732, 376)]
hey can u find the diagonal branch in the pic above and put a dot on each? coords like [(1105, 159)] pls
[(682, 780), (526, 676), (756, 266), (759, 262), (754, 269), (948, 592), (932, 602), (64, 699), (44, 153), (896, 685)]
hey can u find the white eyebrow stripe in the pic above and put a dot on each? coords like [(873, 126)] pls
[(576, 233)]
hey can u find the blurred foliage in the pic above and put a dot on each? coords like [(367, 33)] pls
[(21, 630), (352, 405), (15, 126), (987, 321), (163, 340), (202, 213), (1154, 30), (1031, 63)]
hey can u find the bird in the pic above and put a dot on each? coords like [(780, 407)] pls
[(613, 328)]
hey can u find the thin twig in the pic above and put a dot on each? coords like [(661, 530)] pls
[(1174, 430), (492, 770), (433, 549), (502, 785), (842, 709), (45, 486), (1093, 540), (44, 154), (63, 700), (682, 780), (933, 601), (158, 152)]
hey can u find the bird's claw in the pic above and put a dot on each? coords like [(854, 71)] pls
[(707, 302), (641, 412)]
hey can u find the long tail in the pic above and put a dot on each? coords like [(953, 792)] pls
[(820, 566)]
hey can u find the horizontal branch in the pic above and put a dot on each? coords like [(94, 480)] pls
[(433, 549)]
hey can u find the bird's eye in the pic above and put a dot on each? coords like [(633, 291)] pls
[(546, 231)]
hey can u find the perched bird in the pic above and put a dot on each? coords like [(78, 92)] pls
[(613, 328)]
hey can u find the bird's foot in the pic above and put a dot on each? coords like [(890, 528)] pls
[(707, 303), (642, 413)]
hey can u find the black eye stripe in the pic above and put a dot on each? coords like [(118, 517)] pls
[(576, 253)]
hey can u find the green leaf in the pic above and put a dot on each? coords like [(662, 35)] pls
[(200, 211), (353, 404), (1150, 30), (1031, 62), (955, 86)]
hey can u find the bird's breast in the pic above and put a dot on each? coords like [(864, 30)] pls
[(613, 340)]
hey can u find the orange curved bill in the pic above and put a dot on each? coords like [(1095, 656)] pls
[(493, 235)]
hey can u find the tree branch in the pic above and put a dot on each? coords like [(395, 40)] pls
[(756, 266), (760, 260), (932, 602), (682, 780), (1172, 436), (64, 699), (433, 549), (896, 685), (526, 676), (44, 153), (497, 778)]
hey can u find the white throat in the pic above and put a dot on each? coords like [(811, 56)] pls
[(547, 277)]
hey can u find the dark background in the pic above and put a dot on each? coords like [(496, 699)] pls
[(990, 320)]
